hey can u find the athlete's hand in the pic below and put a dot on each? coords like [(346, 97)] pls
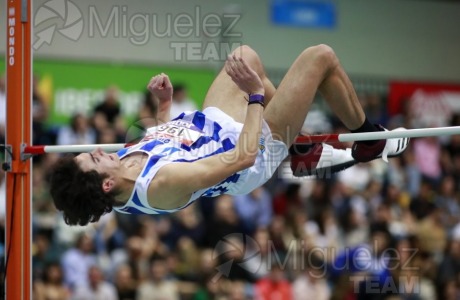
[(161, 86), (243, 75)]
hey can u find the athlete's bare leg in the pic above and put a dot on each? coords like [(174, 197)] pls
[(316, 68), (226, 95)]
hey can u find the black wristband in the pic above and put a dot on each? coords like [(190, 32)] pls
[(256, 99)]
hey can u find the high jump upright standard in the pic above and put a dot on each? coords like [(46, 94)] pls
[(18, 235)]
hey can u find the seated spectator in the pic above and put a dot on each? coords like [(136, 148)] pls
[(261, 254), (148, 111), (232, 253), (353, 228), (77, 261), (207, 265), (424, 202), (124, 283), (188, 259), (39, 116), (355, 178), (51, 284), (109, 108), (287, 201), (447, 201), (367, 263), (108, 114), (78, 132), (450, 290), (373, 193), (402, 220), (223, 222), (319, 199), (239, 290), (148, 232), (108, 236), (280, 235), (44, 209), (413, 270), (449, 268), (311, 284), (323, 230), (146, 118), (107, 136), (413, 176), (134, 255), (274, 285), (431, 233), (451, 152), (428, 158), (374, 106), (181, 102), (44, 253), (186, 223), (158, 286), (254, 209), (316, 122), (97, 287), (210, 289)]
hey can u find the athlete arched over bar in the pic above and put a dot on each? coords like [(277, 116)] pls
[(233, 146)]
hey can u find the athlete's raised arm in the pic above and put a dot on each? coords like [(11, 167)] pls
[(160, 86), (174, 183)]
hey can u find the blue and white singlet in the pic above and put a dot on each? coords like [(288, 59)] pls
[(193, 136)]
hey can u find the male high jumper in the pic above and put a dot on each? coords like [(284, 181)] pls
[(233, 146)]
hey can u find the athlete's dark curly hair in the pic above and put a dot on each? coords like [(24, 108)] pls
[(79, 194)]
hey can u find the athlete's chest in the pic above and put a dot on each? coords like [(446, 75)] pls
[(135, 159), (177, 131)]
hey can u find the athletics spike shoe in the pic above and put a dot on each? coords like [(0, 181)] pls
[(383, 148), (320, 160)]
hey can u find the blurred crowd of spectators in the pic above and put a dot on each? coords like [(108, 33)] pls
[(374, 231)]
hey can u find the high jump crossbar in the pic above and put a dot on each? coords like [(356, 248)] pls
[(377, 135), (307, 139)]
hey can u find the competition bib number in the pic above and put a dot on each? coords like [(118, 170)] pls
[(179, 130)]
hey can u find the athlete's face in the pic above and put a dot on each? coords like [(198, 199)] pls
[(99, 161)]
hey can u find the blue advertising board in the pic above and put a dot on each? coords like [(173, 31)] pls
[(298, 13)]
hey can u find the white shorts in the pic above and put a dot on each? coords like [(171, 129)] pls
[(271, 153)]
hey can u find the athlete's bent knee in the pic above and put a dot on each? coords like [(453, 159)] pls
[(250, 56), (322, 53)]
